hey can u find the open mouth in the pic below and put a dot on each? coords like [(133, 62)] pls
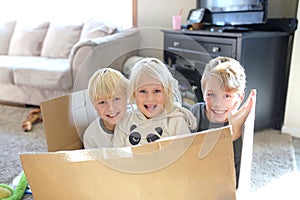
[(150, 108)]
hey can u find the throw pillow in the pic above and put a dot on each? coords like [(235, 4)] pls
[(60, 39), (6, 31), (94, 28), (27, 39)]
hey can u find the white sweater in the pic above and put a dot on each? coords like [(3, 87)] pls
[(95, 136), (136, 129)]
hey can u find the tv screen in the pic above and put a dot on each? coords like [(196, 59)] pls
[(236, 12)]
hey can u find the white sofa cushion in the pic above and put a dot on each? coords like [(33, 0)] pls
[(9, 63), (45, 73), (6, 74), (28, 38), (6, 31), (96, 28), (60, 39)]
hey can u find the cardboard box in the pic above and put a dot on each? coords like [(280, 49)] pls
[(192, 166), (65, 119)]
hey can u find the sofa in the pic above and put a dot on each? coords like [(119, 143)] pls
[(42, 60)]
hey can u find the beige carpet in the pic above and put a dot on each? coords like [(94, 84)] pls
[(274, 171), (273, 155), (13, 140)]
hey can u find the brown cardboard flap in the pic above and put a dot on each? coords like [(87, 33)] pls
[(169, 169), (61, 133), (65, 119)]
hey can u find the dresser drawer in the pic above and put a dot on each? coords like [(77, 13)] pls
[(198, 47)]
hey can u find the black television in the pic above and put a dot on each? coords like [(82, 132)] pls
[(236, 12)]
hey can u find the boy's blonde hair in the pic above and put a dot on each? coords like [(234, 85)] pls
[(106, 83), (228, 71), (156, 69)]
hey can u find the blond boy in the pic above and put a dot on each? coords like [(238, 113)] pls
[(108, 92), (223, 86)]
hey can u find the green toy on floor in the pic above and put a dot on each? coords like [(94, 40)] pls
[(8, 193)]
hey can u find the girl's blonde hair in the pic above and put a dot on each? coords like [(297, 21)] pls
[(106, 83), (156, 69), (228, 71)]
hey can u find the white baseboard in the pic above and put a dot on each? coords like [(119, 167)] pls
[(295, 132)]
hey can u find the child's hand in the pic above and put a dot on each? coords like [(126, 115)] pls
[(239, 116)]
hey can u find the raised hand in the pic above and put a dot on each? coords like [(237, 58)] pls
[(238, 117)]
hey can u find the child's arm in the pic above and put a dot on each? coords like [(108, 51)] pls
[(238, 118), (184, 123), (88, 143), (88, 139), (181, 127), (190, 119), (122, 130), (119, 138)]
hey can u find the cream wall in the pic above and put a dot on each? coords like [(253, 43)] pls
[(158, 13), (154, 15), (292, 112), (282, 8)]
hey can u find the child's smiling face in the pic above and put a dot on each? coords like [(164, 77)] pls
[(219, 103), (150, 97), (111, 110)]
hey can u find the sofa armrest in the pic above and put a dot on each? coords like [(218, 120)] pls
[(88, 56)]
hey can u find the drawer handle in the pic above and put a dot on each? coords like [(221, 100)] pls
[(175, 43), (216, 49)]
